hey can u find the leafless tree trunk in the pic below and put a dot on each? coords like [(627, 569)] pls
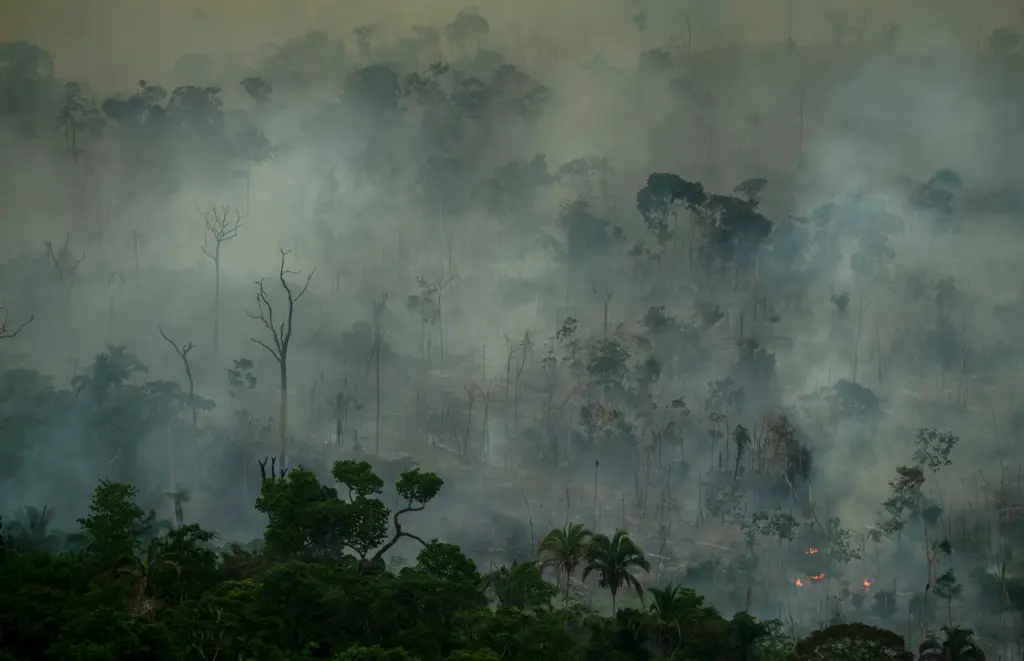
[(607, 299), (220, 228), (856, 338), (281, 338), (65, 266), (182, 351), (378, 311)]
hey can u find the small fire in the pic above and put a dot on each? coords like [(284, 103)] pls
[(799, 583), (817, 577), (812, 551), (868, 582)]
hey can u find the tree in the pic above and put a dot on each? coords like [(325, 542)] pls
[(220, 229), (957, 644), (258, 89), (855, 642), (614, 560), (378, 311), (115, 526), (948, 588), (281, 338), (182, 352), (566, 548), (77, 114)]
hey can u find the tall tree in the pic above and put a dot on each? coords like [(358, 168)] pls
[(614, 559), (183, 350), (77, 113), (281, 338), (220, 228), (566, 549)]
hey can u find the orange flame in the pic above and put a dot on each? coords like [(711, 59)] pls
[(799, 583), (817, 577), (812, 551), (868, 582)]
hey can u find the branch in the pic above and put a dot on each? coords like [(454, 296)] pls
[(399, 533), (5, 332), (292, 298), (266, 313), (273, 353), (180, 350), (218, 226)]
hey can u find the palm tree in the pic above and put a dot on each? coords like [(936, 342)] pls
[(142, 570), (109, 371), (958, 645), (565, 548), (614, 560), (673, 606)]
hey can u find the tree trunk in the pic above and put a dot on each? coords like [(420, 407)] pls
[(216, 299), (282, 416), (377, 422)]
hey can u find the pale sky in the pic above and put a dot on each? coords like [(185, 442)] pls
[(127, 39)]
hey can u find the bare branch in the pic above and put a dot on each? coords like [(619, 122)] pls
[(5, 327), (280, 333), (182, 350), (220, 227)]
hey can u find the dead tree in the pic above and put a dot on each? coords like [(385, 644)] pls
[(606, 299), (524, 348), (220, 228), (64, 264), (461, 437), (281, 338), (275, 473), (6, 330), (378, 311), (182, 351), (114, 285)]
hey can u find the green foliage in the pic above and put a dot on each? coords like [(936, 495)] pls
[(447, 562), (115, 526), (134, 595), (854, 642), (521, 586), (614, 559)]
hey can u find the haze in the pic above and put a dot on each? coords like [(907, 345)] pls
[(513, 278)]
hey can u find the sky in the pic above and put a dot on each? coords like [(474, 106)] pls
[(127, 39)]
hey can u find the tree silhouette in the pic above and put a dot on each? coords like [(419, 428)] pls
[(566, 548), (281, 338), (614, 559), (220, 228), (77, 114)]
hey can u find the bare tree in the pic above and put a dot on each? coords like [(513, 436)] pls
[(523, 350), (220, 228), (606, 300), (6, 330), (378, 311), (114, 285), (65, 265), (281, 337), (182, 351)]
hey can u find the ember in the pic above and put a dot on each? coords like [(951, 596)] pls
[(868, 582), (817, 577), (799, 583), (812, 551)]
